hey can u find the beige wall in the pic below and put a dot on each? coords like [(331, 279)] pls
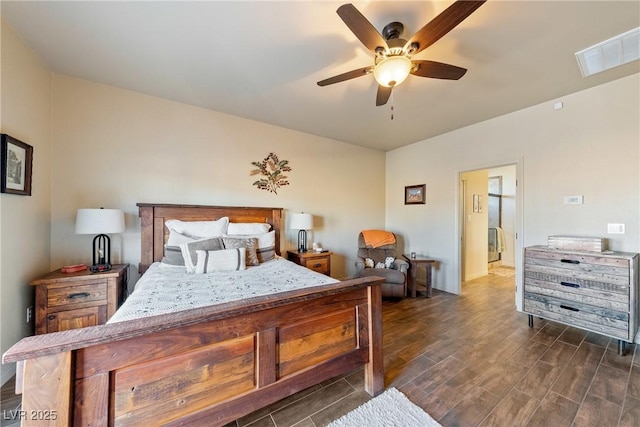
[(24, 221), (114, 148), (591, 147), (475, 225)]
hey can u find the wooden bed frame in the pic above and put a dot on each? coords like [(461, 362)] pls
[(204, 366)]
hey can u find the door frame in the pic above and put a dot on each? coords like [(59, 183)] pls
[(519, 223)]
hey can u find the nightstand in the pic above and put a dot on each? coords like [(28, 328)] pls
[(77, 300), (416, 263), (316, 261)]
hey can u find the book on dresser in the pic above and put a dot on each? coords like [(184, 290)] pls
[(594, 291)]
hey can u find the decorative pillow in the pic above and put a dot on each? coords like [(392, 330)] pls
[(266, 248), (189, 251), (250, 243), (380, 265), (198, 229), (388, 262), (369, 263), (221, 260), (173, 256), (248, 228)]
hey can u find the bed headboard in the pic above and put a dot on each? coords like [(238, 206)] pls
[(154, 234)]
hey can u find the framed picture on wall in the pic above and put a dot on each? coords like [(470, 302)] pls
[(477, 203), (414, 194), (17, 160)]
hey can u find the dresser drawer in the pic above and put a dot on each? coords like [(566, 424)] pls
[(321, 265), (606, 321), (601, 294), (316, 261), (579, 266), (78, 295)]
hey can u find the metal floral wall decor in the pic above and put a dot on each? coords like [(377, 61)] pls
[(272, 169)]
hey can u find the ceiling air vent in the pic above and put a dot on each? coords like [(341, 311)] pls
[(610, 53)]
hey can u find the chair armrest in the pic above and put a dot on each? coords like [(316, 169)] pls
[(402, 265), (359, 266)]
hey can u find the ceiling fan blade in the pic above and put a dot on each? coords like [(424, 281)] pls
[(346, 76), (437, 70), (383, 95), (361, 27), (443, 23)]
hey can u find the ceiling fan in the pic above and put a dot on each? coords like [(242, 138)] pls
[(393, 56)]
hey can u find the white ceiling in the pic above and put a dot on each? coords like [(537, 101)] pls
[(261, 59)]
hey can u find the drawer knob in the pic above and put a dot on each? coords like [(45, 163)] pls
[(51, 317), (569, 284), (79, 295), (317, 265), (566, 307), (570, 261)]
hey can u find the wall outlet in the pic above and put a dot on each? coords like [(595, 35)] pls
[(615, 228), (29, 313)]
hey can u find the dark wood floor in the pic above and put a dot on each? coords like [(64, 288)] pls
[(472, 360), (9, 404)]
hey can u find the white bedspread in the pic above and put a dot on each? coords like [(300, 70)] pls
[(165, 289)]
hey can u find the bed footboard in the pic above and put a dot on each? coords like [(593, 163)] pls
[(203, 366)]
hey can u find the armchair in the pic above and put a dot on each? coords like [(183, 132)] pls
[(395, 284)]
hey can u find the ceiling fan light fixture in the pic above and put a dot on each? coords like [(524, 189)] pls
[(392, 70)]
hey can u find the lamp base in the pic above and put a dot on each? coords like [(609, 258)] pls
[(302, 241), (101, 253), (96, 268)]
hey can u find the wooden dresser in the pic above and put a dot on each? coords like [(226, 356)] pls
[(77, 300), (597, 292)]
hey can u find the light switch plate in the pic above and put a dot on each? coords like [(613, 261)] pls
[(573, 200), (615, 228)]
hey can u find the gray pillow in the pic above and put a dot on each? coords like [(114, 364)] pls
[(173, 255)]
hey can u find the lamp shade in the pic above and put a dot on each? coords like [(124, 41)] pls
[(99, 221), (392, 71), (301, 221)]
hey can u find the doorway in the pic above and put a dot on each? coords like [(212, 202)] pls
[(490, 223)]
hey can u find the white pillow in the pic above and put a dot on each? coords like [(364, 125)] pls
[(222, 260), (198, 229), (190, 251), (176, 239), (248, 228)]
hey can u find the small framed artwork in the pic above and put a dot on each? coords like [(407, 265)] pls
[(414, 194), (17, 160), (477, 203)]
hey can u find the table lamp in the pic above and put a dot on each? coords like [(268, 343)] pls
[(302, 222), (100, 222)]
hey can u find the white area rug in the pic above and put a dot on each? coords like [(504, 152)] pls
[(390, 409)]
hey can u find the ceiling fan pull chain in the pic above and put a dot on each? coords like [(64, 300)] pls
[(391, 105)]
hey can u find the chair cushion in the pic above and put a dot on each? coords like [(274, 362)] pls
[(390, 276)]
